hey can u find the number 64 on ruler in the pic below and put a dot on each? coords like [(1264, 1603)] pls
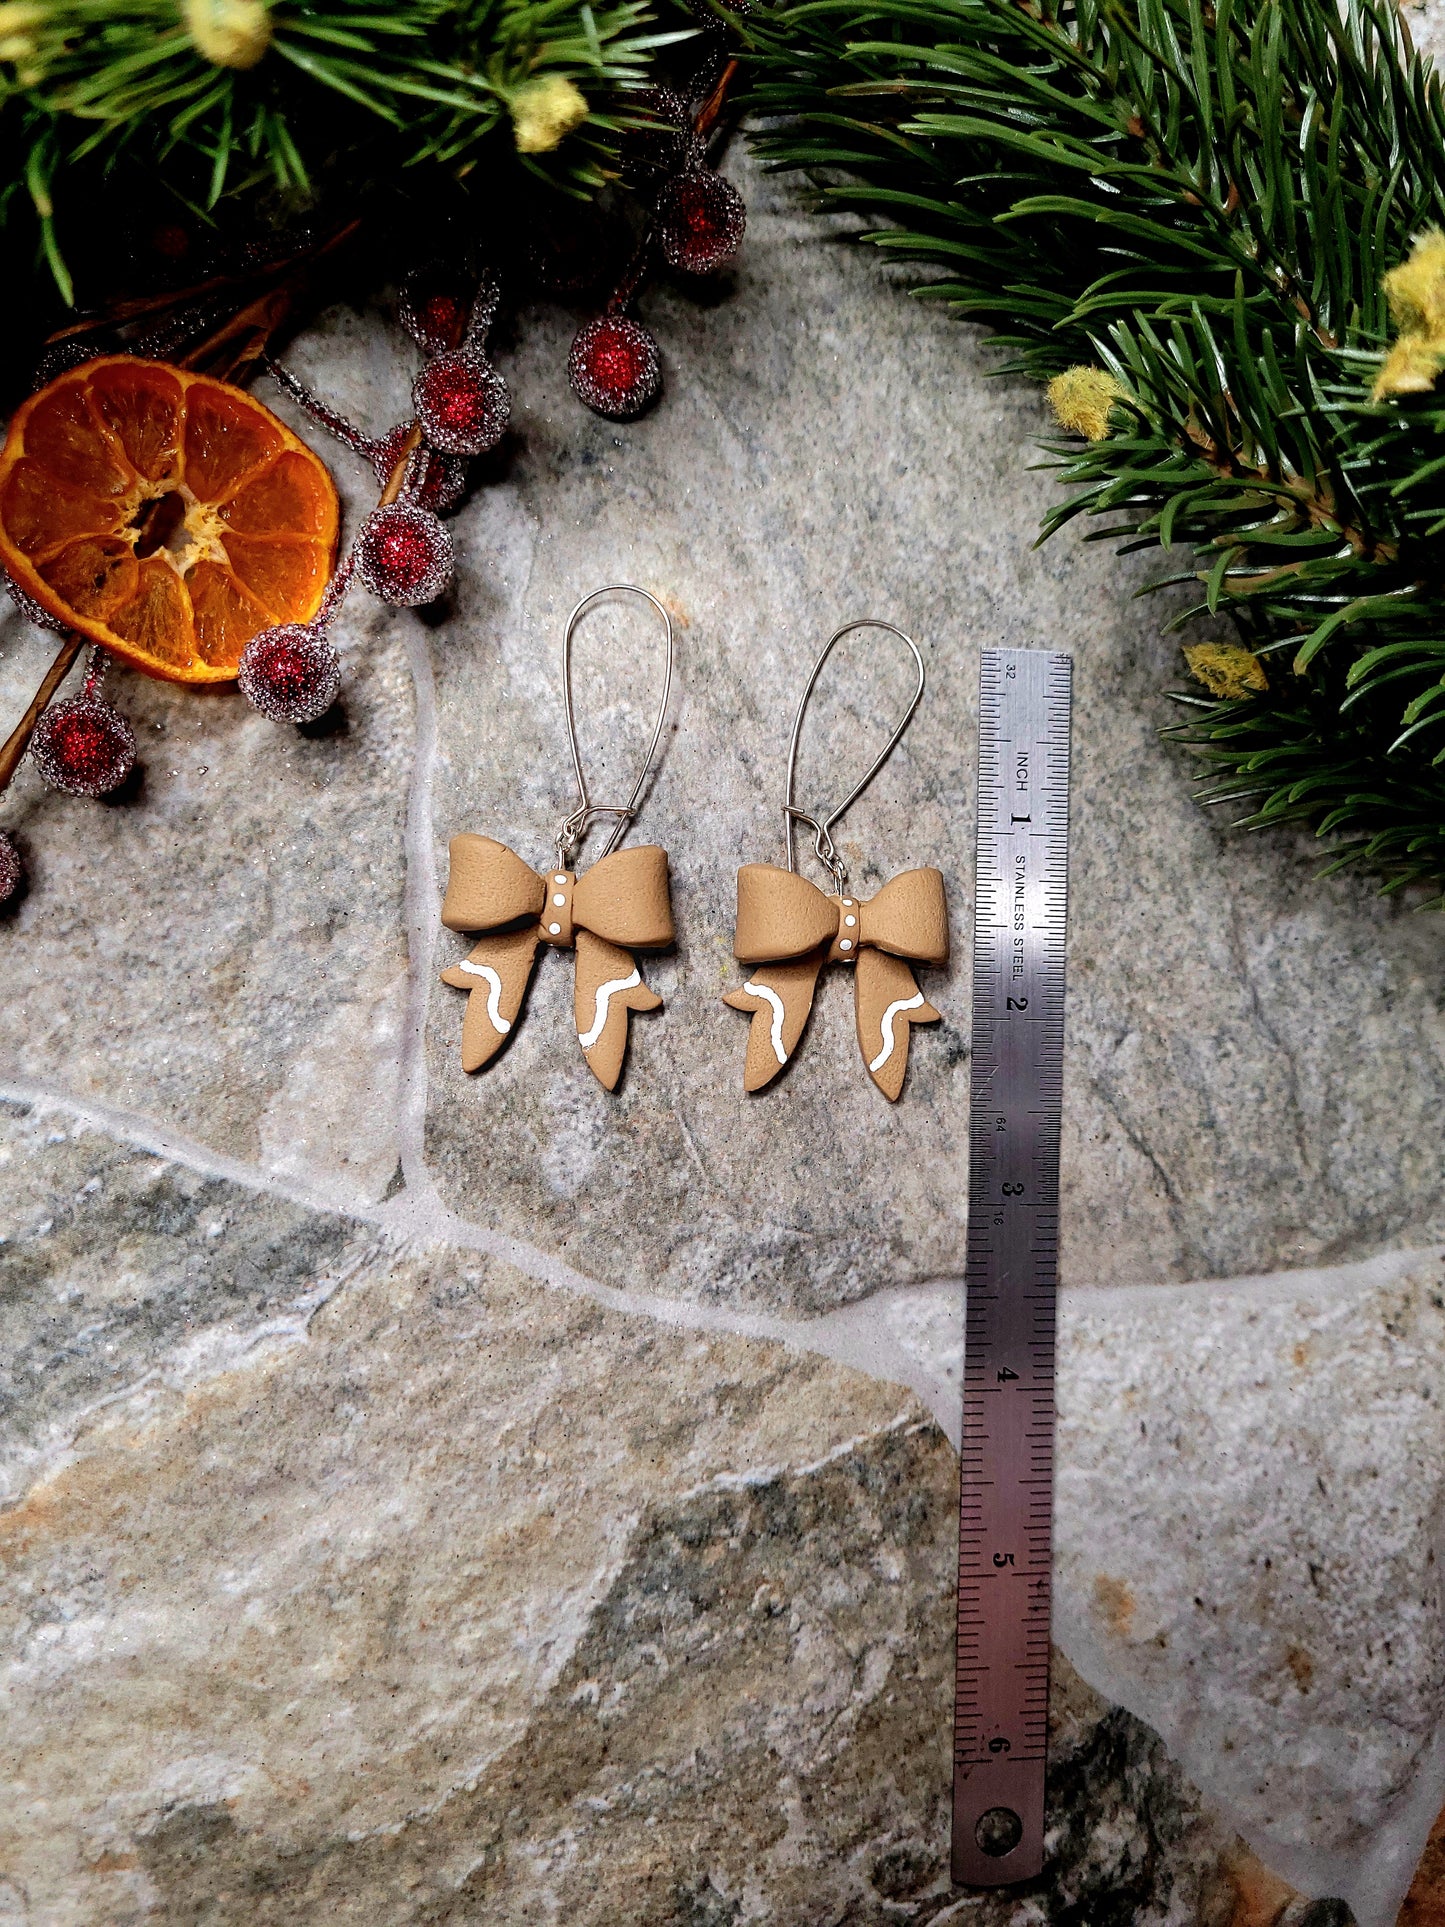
[(1005, 1541)]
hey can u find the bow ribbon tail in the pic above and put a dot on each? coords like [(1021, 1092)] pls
[(497, 974), (887, 1003), (780, 996), (608, 985)]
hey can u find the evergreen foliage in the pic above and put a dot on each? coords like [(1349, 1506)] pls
[(1202, 198), (242, 99)]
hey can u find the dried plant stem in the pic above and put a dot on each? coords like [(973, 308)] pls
[(19, 739)]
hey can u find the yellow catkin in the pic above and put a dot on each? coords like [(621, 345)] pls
[(1415, 292), (18, 21), (1226, 670), (229, 33), (1081, 399), (544, 113), (1410, 367), (1416, 289)]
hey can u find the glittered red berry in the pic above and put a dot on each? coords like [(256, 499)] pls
[(433, 308), (404, 555), (462, 403), (12, 871), (83, 746), (291, 673), (614, 367), (700, 221)]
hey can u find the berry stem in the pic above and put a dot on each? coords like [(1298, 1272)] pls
[(703, 122), (19, 738), (399, 472), (336, 424), (709, 114)]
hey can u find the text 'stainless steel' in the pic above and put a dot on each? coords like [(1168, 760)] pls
[(1006, 1500)]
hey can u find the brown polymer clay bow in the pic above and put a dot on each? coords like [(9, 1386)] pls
[(792, 928), (620, 905)]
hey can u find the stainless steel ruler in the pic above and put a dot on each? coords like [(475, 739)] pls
[(1005, 1541)]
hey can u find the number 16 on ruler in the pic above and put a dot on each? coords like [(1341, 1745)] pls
[(1006, 1496)]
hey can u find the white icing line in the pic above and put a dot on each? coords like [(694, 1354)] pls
[(755, 989), (604, 997), (494, 995), (903, 1003)]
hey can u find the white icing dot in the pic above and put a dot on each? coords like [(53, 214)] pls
[(560, 900), (848, 903), (559, 879), (554, 929), (845, 943), (850, 921)]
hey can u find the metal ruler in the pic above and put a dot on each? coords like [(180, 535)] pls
[(1005, 1539)]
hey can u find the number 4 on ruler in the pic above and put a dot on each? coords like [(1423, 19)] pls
[(1005, 1540)]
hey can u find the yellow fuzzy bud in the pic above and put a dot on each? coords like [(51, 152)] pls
[(229, 33), (1081, 399), (18, 19), (544, 113), (1410, 367), (1226, 670), (1416, 289)]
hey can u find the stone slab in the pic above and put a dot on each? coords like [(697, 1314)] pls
[(114, 1260), (480, 1603), (1255, 1058)]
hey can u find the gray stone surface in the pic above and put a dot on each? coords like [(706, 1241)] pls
[(345, 1581), (113, 1260), (223, 950), (479, 1603), (1256, 1073)]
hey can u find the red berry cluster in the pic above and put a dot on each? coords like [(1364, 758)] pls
[(698, 220), (402, 553)]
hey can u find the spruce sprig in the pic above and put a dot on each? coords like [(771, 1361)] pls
[(1202, 201), (245, 97)]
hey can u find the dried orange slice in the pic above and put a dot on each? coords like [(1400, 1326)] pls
[(164, 514)]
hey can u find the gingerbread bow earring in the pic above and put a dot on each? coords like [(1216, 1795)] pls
[(791, 928), (620, 905)]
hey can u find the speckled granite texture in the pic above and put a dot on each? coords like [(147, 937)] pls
[(440, 1499)]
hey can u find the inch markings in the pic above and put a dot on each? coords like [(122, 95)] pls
[(1005, 1537)]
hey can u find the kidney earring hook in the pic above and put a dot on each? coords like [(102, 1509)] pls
[(821, 825), (574, 827)]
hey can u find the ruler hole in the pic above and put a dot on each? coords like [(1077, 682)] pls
[(998, 1832)]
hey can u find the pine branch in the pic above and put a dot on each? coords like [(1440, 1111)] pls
[(1202, 201), (239, 98)]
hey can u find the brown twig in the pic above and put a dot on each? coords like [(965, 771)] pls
[(398, 474), (19, 739), (710, 112)]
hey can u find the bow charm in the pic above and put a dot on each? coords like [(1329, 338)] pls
[(787, 925), (621, 904)]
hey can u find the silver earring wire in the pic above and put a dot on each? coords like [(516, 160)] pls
[(821, 825), (574, 827)]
